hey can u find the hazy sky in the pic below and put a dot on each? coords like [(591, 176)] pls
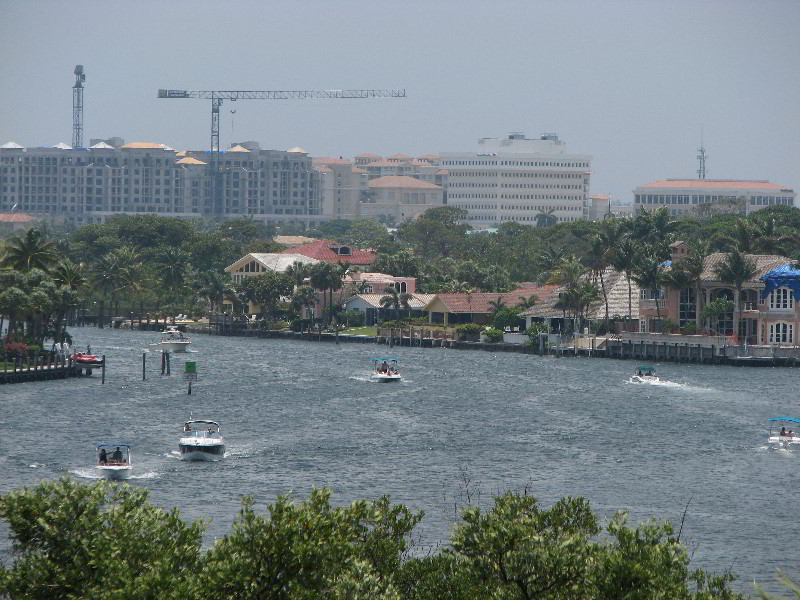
[(632, 83)]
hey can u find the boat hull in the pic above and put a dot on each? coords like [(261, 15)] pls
[(174, 346), (114, 472), (645, 379), (206, 452), (385, 378)]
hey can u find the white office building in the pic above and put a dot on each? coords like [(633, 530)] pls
[(528, 181), (696, 197)]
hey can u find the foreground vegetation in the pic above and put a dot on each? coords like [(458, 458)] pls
[(103, 541)]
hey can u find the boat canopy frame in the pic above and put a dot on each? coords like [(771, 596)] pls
[(204, 421), (785, 420)]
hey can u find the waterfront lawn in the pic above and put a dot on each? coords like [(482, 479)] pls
[(361, 331)]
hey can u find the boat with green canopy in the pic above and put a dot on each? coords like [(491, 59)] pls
[(384, 370), (645, 374), (782, 432)]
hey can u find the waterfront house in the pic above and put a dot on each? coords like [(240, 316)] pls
[(474, 307), (257, 263), (333, 252), (373, 283), (375, 312), (769, 315)]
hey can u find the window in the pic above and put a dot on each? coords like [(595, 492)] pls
[(687, 307), (781, 333), (781, 299)]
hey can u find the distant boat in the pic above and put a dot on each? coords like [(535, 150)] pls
[(645, 374), (173, 340), (384, 370), (781, 432), (90, 360), (113, 461), (201, 440)]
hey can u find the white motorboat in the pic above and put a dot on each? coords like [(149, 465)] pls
[(645, 374), (114, 461), (173, 340), (782, 434), (201, 440), (385, 371)]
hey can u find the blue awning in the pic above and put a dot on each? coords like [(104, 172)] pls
[(787, 275), (790, 419), (115, 444)]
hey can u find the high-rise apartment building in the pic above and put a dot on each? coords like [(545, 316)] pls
[(92, 184), (518, 179)]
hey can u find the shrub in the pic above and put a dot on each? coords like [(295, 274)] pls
[(353, 318), (493, 335), (469, 328), (689, 329)]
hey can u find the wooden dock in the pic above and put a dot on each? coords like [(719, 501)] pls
[(46, 368)]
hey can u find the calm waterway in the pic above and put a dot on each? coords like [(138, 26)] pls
[(297, 414)]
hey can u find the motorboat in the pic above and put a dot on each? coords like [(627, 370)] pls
[(645, 374), (87, 360), (201, 440), (113, 461), (384, 370), (781, 432), (173, 340)]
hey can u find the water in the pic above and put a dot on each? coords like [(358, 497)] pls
[(299, 414)]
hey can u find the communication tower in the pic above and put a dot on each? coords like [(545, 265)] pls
[(77, 107)]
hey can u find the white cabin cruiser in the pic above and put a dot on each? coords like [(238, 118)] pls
[(645, 374), (385, 371), (782, 434), (113, 461), (173, 340), (201, 440)]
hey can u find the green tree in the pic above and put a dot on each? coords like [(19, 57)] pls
[(527, 552), (96, 541), (507, 317), (326, 277), (736, 269), (439, 232), (266, 290), (395, 300), (368, 233), (399, 264), (304, 297), (70, 274), (716, 308), (649, 275), (624, 261), (29, 250)]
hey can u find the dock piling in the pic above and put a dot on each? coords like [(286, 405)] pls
[(144, 363), (103, 370)]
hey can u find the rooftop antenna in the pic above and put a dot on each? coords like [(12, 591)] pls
[(701, 157), (77, 107)]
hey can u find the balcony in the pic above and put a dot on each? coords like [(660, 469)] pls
[(652, 304), (748, 306)]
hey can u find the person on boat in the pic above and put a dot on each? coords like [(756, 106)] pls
[(103, 458), (117, 455), (384, 367), (791, 433), (187, 428), (783, 431)]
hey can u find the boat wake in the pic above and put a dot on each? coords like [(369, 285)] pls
[(37, 465), (361, 378), (658, 383), (85, 473)]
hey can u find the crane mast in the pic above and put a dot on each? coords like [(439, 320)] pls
[(217, 97), (77, 107)]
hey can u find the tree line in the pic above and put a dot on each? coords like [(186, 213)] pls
[(105, 541)]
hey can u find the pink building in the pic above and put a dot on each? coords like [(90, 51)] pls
[(768, 312)]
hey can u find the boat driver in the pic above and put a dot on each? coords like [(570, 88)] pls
[(103, 458), (117, 454), (783, 431), (384, 367)]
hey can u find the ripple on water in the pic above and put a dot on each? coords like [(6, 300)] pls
[(298, 414)]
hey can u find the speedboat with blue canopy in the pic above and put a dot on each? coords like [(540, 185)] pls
[(645, 374), (113, 460), (385, 371), (782, 432)]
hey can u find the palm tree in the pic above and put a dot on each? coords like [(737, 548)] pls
[(735, 269), (545, 218), (624, 261), (771, 240), (325, 276), (298, 271), (395, 300), (743, 238), (497, 304), (694, 265), (109, 275), (29, 250), (214, 287), (304, 297), (648, 274), (529, 302), (548, 261), (70, 274), (604, 247)]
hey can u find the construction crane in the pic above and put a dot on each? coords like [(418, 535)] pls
[(217, 97), (77, 107)]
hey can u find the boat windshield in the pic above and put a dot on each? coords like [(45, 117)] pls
[(113, 455), (646, 370), (201, 429)]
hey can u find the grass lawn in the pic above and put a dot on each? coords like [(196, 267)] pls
[(361, 331)]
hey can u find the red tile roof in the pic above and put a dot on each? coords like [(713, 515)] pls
[(15, 218), (369, 155), (384, 163), (714, 184), (478, 302), (324, 250), (402, 181), (329, 160)]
